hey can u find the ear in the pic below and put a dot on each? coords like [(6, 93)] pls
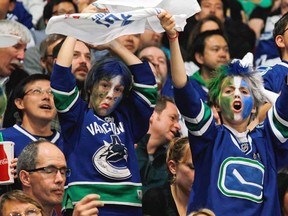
[(43, 62), (152, 117), (197, 16), (11, 6), (279, 40), (199, 58), (24, 178), (172, 166), (19, 103)]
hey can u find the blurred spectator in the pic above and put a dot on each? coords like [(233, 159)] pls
[(172, 198), (19, 203), (151, 149)]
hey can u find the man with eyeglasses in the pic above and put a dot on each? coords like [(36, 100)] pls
[(42, 170), (35, 105)]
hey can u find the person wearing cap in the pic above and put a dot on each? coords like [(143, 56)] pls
[(7, 40), (11, 59), (11, 56)]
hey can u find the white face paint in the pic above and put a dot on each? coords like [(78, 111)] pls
[(106, 95), (236, 100), (237, 84)]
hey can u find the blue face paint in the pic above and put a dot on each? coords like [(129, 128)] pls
[(106, 95), (247, 101), (236, 99)]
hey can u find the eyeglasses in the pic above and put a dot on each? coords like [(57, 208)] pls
[(28, 212), (39, 91), (52, 170)]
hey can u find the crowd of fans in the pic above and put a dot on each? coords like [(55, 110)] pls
[(173, 123)]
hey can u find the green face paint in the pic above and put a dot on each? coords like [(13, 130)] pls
[(106, 95), (235, 100)]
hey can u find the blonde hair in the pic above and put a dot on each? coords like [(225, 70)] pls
[(178, 151), (205, 211)]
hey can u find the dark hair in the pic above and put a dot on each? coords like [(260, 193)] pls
[(197, 29), (48, 9), (18, 195), (50, 39), (279, 28), (198, 45), (20, 89), (57, 48), (108, 68), (161, 103)]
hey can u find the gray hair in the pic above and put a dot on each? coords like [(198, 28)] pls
[(256, 81), (15, 28)]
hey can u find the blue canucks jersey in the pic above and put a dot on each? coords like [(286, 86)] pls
[(100, 150), (274, 77), (235, 173), (22, 138)]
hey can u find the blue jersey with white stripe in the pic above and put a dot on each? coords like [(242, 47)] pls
[(100, 150), (236, 173), (274, 77), (22, 138)]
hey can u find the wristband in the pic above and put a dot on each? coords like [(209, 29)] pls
[(173, 38)]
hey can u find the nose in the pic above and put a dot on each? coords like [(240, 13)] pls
[(130, 37), (21, 54), (177, 125), (47, 95), (83, 59), (59, 178), (212, 10), (110, 93), (237, 93), (157, 36)]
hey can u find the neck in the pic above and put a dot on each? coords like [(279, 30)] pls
[(205, 73), (48, 209), (38, 128), (238, 126), (153, 143), (181, 198)]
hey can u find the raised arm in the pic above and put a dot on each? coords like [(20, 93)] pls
[(178, 73), (126, 55), (65, 54)]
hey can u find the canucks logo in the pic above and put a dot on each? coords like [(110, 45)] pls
[(111, 159), (242, 178)]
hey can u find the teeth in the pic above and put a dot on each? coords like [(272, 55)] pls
[(45, 107), (237, 105)]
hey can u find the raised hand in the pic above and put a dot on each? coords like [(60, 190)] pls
[(88, 206), (168, 23)]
